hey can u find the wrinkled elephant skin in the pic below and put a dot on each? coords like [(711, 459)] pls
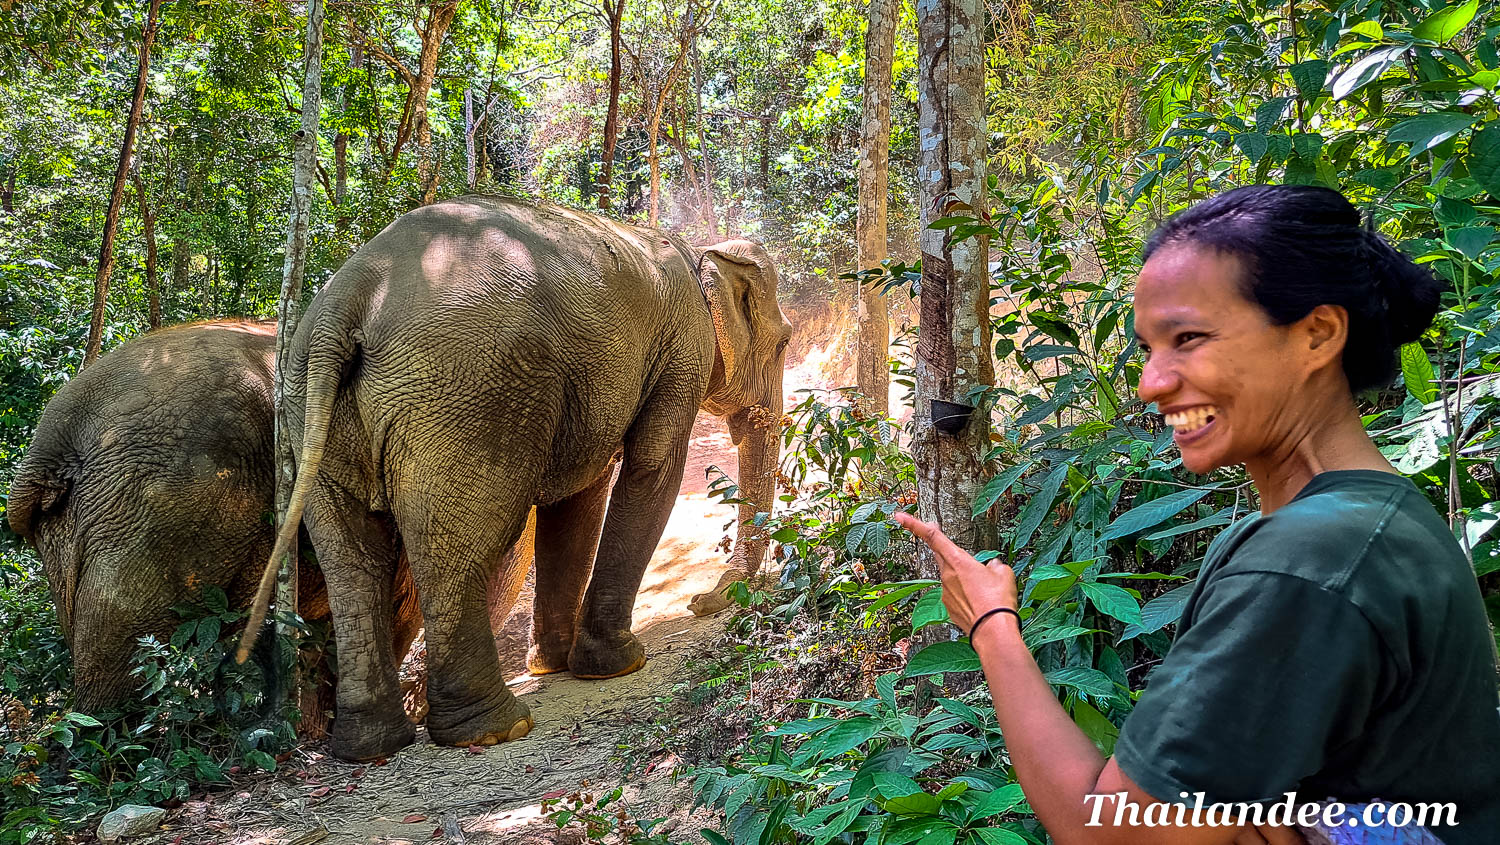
[(481, 356), (150, 479)]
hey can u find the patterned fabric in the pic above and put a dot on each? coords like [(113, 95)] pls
[(1383, 835)]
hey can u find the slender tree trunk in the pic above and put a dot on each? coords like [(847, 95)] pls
[(710, 217), (953, 349), (765, 155), (616, 13), (469, 136), (8, 194), (117, 192), (148, 226), (872, 373), (289, 305), (439, 18)]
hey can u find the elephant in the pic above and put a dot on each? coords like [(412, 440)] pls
[(481, 356), (150, 478)]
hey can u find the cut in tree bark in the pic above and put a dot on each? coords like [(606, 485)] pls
[(953, 348), (148, 230), (117, 191), (615, 14), (293, 269), (872, 370)]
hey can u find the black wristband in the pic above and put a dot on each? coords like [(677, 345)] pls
[(987, 614)]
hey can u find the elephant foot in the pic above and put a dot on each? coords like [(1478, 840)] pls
[(509, 720), (709, 603), (595, 658), (359, 737), (545, 661)]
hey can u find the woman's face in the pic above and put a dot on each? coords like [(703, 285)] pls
[(1225, 378)]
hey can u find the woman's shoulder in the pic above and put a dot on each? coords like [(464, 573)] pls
[(1342, 529)]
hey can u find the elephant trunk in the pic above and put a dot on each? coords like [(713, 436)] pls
[(757, 432)]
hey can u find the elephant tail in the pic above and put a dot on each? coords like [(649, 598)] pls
[(330, 347), (35, 491)]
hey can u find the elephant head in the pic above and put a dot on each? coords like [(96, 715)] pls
[(751, 335)]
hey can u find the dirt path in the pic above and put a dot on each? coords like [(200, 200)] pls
[(486, 796)]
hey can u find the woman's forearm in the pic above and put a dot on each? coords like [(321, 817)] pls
[(1055, 761)]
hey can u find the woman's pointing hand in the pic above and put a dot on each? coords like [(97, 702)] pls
[(970, 588)]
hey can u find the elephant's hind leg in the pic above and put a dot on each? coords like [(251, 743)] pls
[(358, 553), (453, 541), (567, 537)]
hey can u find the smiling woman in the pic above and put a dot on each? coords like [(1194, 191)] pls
[(1335, 645)]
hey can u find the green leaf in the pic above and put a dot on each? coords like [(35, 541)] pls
[(1428, 130), (1160, 612), (1039, 505), (1052, 635), (1269, 113), (1084, 679), (1417, 372), (1441, 26), (929, 610), (713, 837), (1365, 71), (1153, 513), (1002, 800), (1484, 157), (1470, 240), (886, 686), (943, 657), (1309, 77), (1213, 521), (996, 487), (1369, 29), (1054, 327), (1115, 602), (1252, 144), (83, 720), (846, 736), (999, 836), (1095, 726)]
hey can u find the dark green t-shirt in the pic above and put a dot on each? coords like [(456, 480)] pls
[(1337, 648)]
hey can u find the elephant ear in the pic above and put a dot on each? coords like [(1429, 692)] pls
[(729, 279)]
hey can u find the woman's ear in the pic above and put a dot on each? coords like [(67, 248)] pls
[(1325, 330)]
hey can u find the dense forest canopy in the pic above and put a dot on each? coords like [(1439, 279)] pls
[(744, 120)]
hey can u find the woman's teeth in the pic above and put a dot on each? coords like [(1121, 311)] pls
[(1192, 419)]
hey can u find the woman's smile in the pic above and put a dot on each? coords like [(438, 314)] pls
[(1191, 424)]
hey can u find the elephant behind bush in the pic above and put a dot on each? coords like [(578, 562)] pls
[(149, 479)]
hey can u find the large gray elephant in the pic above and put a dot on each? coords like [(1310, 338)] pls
[(149, 479), (481, 356)]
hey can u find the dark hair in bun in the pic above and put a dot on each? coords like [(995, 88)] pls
[(1303, 246)]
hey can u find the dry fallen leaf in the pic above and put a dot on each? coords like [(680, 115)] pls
[(414, 818), (320, 792)]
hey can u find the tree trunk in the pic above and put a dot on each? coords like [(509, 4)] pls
[(289, 305), (469, 136), (616, 13), (8, 194), (710, 217), (439, 17), (765, 155), (953, 348), (117, 192), (148, 226), (872, 372)]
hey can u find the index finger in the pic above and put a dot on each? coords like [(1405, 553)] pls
[(928, 532)]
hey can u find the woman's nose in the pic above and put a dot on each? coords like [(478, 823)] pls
[(1158, 380)]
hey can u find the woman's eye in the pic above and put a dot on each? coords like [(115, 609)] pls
[(1187, 336)]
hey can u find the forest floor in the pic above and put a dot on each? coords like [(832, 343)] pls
[(589, 735)]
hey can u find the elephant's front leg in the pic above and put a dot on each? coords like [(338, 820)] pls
[(567, 538), (639, 506)]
